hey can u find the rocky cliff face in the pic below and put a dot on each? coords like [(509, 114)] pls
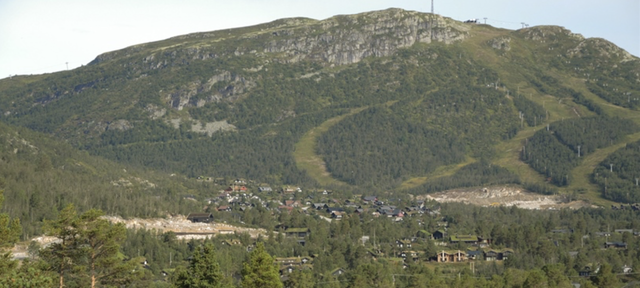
[(234, 86), (348, 39), (338, 40)]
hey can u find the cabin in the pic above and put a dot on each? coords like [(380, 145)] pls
[(292, 203), (335, 209), (618, 245), (337, 215), (412, 255), (319, 206), (337, 272), (224, 208), (467, 239), (451, 256), (403, 243), (506, 253), (200, 217), (290, 190), (231, 242), (474, 254), (588, 271), (370, 199), (236, 188), (297, 232), (439, 234), (285, 208), (493, 255)]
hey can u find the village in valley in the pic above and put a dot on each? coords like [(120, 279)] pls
[(437, 242)]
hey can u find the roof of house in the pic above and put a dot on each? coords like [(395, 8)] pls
[(474, 252), (199, 215), (505, 250), (296, 230), (332, 209), (464, 238), (449, 252), (337, 271), (623, 230), (617, 244)]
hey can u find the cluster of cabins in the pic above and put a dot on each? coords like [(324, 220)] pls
[(634, 207), (479, 249), (462, 256), (370, 204), (607, 244)]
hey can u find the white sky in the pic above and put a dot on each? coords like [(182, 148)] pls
[(41, 36)]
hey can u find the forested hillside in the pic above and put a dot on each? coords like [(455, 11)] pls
[(432, 95), (617, 175), (41, 175)]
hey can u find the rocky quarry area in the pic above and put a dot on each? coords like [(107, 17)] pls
[(184, 228), (505, 196), (178, 224)]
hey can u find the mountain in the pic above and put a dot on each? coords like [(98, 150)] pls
[(389, 99)]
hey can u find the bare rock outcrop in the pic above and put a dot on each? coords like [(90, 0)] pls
[(348, 39)]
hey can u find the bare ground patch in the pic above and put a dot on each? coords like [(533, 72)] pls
[(505, 196)]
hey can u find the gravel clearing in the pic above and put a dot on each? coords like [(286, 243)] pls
[(505, 196)]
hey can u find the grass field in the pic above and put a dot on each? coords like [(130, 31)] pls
[(305, 151)]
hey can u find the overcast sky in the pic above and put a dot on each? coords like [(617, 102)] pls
[(41, 36)]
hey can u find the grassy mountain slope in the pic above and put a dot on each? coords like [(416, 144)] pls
[(378, 100)]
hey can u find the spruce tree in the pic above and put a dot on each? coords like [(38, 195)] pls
[(203, 271), (260, 271), (27, 274)]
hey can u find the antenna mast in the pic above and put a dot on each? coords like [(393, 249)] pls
[(432, 7)]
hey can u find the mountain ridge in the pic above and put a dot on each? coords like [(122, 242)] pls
[(207, 98)]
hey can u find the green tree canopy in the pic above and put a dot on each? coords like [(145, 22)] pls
[(203, 271), (260, 271)]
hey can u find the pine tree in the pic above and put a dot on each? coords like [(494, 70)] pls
[(605, 278), (536, 279), (88, 250), (260, 271), (203, 271), (62, 255), (300, 279), (100, 244), (370, 275)]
